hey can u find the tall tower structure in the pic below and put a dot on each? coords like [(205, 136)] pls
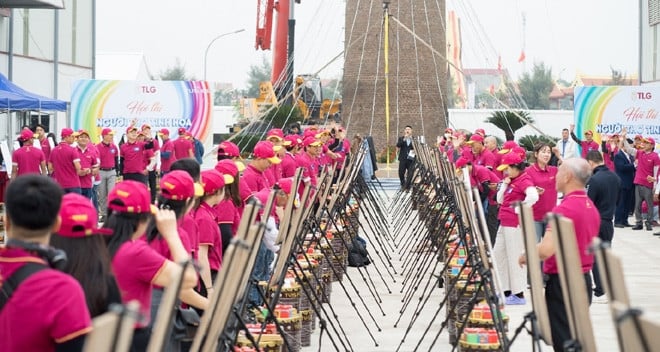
[(417, 76)]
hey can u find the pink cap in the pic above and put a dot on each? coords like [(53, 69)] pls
[(275, 133), (164, 132), (212, 181), (182, 131), (266, 150), (107, 131), (649, 140), (508, 159), (25, 135), (227, 167), (130, 197), (66, 132), (311, 141), (476, 138), (79, 217), (507, 146), (178, 185), (480, 131), (285, 184), (229, 149), (293, 140)]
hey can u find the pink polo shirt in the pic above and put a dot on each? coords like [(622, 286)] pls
[(183, 148), (45, 147), (160, 244), (587, 147), (48, 308), (608, 156), (645, 164), (227, 213), (63, 159), (133, 154), (515, 192), (107, 155), (190, 227), (273, 174), (136, 266), (88, 159), (251, 182), (167, 157), (289, 165), (27, 160), (308, 164), (486, 159), (586, 220), (546, 179), (209, 234), (480, 174)]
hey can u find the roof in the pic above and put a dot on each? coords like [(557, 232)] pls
[(33, 4), (587, 80), (121, 66), (559, 92), (485, 71)]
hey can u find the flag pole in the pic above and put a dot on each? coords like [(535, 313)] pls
[(386, 50)]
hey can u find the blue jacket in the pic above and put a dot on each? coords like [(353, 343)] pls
[(625, 169)]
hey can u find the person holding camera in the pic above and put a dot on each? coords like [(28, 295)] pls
[(406, 157)]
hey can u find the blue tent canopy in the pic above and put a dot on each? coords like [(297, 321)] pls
[(13, 97)]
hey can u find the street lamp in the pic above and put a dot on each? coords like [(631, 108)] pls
[(206, 53)]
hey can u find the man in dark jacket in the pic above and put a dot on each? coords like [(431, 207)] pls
[(603, 190), (624, 166), (406, 157)]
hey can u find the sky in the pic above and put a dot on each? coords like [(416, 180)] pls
[(587, 36)]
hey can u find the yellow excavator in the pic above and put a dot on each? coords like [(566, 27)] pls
[(308, 95)]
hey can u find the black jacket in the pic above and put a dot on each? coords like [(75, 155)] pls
[(603, 190), (625, 169), (404, 148)]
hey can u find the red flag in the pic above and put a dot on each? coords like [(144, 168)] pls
[(499, 63), (521, 58), (491, 90)]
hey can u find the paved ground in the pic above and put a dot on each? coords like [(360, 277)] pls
[(638, 250)]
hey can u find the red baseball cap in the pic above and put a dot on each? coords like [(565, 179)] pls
[(476, 138), (229, 149), (311, 141), (79, 217), (275, 133), (480, 131), (266, 150), (66, 132), (461, 162), (25, 135), (178, 185), (508, 159), (107, 131), (212, 181), (81, 132), (131, 128), (227, 167), (309, 133), (164, 132), (285, 184), (293, 140), (507, 146), (131, 197), (649, 140), (182, 131)]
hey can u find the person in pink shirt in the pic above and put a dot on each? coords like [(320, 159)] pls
[(228, 208), (481, 155), (89, 160), (576, 206), (137, 267), (167, 156), (210, 241), (289, 165), (132, 163), (588, 144), (274, 172), (64, 163), (40, 131), (27, 159), (254, 179), (183, 146), (645, 176), (47, 311), (609, 147), (516, 187), (153, 161), (543, 177), (108, 171), (305, 159)]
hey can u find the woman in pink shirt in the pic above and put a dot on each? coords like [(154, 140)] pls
[(210, 243), (137, 267), (228, 208), (544, 179), (516, 187)]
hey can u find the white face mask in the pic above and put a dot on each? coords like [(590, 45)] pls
[(447, 135)]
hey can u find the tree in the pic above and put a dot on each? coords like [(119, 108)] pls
[(509, 121), (333, 89), (256, 75), (535, 88), (227, 97), (528, 142), (619, 78), (175, 73)]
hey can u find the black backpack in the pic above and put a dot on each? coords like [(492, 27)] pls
[(357, 254)]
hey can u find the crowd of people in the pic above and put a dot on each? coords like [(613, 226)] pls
[(155, 207), (599, 187)]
